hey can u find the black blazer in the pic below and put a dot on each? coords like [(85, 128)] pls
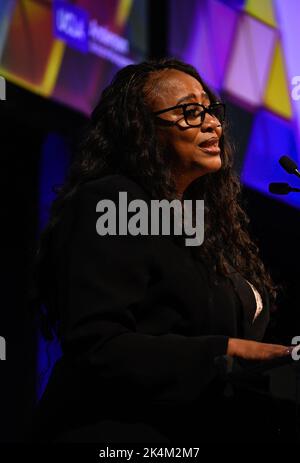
[(142, 322)]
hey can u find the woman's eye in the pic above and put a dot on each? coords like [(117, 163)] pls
[(193, 112)]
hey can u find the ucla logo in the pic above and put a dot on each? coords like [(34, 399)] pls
[(71, 25)]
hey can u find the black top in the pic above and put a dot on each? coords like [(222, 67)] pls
[(142, 324)]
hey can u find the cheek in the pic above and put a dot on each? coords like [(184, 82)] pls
[(191, 139), (180, 144), (165, 136), (186, 138), (186, 143)]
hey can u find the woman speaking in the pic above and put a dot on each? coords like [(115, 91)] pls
[(144, 319)]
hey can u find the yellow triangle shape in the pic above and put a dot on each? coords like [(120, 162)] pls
[(123, 12), (277, 96), (261, 9)]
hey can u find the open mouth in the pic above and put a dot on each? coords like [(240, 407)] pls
[(212, 142), (210, 146)]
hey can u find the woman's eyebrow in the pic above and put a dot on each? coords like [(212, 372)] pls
[(191, 96), (187, 97)]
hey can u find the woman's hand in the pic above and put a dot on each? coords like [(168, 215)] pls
[(252, 350)]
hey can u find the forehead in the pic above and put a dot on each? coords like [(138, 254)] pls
[(172, 85)]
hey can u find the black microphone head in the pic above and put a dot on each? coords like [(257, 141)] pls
[(279, 188), (288, 164)]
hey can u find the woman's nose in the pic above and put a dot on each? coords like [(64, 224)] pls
[(210, 123)]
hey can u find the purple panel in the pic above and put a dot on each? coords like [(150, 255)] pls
[(234, 3), (289, 20), (225, 21), (181, 26), (271, 138), (208, 39), (249, 66)]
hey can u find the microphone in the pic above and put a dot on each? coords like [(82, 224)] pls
[(289, 165), (282, 188)]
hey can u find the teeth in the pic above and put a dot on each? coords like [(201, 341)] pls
[(208, 144)]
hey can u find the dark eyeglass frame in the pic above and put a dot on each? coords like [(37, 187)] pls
[(206, 109)]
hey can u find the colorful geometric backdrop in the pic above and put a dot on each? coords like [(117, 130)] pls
[(69, 50), (247, 51)]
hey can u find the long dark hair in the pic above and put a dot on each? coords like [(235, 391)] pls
[(121, 138)]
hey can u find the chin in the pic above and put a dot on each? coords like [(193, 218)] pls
[(216, 164), (212, 165)]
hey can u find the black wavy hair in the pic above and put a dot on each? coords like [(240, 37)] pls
[(121, 137)]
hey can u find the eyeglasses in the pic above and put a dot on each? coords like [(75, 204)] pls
[(194, 113)]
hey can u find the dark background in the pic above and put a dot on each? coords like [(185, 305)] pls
[(26, 119)]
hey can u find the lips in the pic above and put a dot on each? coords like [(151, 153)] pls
[(210, 146), (210, 142)]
